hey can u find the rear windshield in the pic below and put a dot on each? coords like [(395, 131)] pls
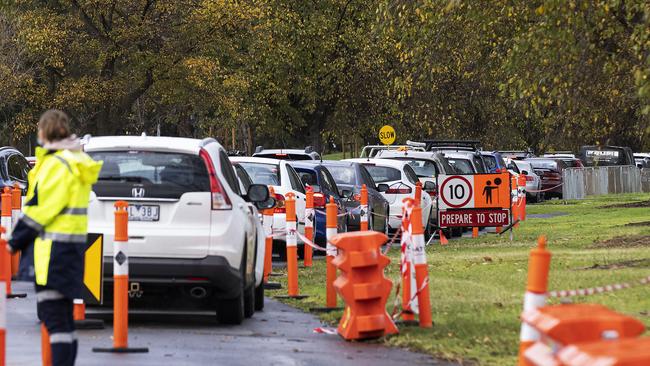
[(382, 174), (543, 164), (490, 162), (462, 166), (261, 173), (572, 163), (160, 174), (423, 168), (343, 175), (283, 156)]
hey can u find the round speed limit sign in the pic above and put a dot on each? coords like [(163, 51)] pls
[(456, 191)]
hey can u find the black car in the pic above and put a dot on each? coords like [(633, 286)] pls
[(606, 155), (13, 167), (349, 178)]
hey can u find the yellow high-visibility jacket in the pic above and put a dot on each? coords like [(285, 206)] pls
[(55, 217)]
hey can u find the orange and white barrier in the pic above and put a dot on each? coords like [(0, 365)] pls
[(539, 265), (292, 244), (330, 231), (310, 216), (419, 260), (5, 222), (363, 209), (121, 284), (3, 313), (522, 198), (16, 207), (405, 264)]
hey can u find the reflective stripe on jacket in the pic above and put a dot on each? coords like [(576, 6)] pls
[(55, 217)]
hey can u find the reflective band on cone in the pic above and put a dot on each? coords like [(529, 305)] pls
[(310, 215), (292, 244), (363, 209), (331, 231), (419, 258), (536, 292)]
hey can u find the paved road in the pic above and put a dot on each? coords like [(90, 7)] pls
[(280, 335)]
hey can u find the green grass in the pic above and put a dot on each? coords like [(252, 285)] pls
[(337, 156), (477, 285)]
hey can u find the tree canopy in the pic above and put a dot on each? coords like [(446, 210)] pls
[(552, 74)]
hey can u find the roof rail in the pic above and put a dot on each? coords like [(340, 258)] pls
[(207, 140), (309, 150), (259, 149), (474, 144)]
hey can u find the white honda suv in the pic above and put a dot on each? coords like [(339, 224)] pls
[(193, 238)]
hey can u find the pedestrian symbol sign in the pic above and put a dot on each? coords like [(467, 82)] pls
[(387, 135), (474, 200), (93, 269)]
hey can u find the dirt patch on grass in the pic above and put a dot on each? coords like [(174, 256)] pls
[(642, 223), (629, 205), (635, 263), (628, 241)]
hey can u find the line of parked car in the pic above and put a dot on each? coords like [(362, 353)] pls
[(194, 217)]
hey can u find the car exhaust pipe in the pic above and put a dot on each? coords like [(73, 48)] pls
[(198, 292)]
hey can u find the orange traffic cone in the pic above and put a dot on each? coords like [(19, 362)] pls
[(443, 238), (419, 260)]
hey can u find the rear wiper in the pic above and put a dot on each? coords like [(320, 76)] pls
[(121, 178)]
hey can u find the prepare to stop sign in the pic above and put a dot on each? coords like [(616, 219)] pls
[(474, 200)]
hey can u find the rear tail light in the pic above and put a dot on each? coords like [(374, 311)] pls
[(400, 188), (279, 204), (529, 178), (319, 200), (220, 199)]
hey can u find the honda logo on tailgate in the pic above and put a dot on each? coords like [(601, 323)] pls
[(137, 192)]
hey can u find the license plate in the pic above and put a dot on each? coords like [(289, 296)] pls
[(144, 212)]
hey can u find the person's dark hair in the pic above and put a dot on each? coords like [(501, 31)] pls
[(55, 125)]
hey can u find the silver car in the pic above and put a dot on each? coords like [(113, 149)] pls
[(533, 181)]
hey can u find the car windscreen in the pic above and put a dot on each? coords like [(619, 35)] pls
[(382, 174), (158, 174), (345, 175), (462, 166), (284, 156), (262, 173)]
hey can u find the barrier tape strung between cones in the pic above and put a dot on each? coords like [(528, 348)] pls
[(544, 190), (599, 289)]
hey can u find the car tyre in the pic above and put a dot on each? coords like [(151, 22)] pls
[(259, 297), (231, 311)]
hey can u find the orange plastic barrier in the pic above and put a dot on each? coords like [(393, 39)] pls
[(539, 265), (121, 284), (362, 285), (310, 215), (522, 202), (474, 232), (514, 207), (79, 316), (292, 245), (566, 328), (16, 207), (5, 221), (331, 232), (407, 312), (419, 258), (46, 348), (418, 194), (3, 311), (624, 352), (363, 209)]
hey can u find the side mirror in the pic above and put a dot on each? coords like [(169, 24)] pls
[(382, 187), (345, 193), (258, 193), (429, 186), (524, 172)]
